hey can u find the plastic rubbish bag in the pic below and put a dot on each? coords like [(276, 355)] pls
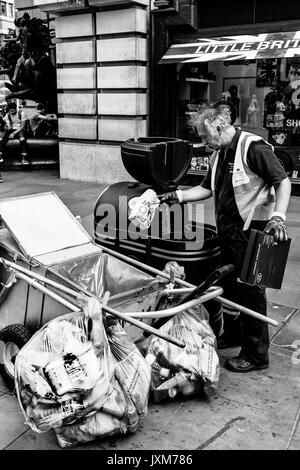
[(81, 375), (127, 398), (131, 370), (58, 370), (142, 209), (188, 370), (117, 416)]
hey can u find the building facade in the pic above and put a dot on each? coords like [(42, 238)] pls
[(7, 14), (102, 54), (248, 51), (115, 79)]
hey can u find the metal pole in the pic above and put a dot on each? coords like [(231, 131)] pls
[(36, 284), (209, 295), (39, 277), (160, 313), (144, 326), (219, 299), (144, 267), (168, 312), (247, 311)]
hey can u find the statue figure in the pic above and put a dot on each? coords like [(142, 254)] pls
[(25, 59)]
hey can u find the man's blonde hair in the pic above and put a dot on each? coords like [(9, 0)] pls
[(210, 120)]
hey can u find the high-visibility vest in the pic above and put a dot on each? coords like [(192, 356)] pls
[(253, 197)]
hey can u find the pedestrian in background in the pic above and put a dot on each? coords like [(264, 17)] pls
[(14, 127), (42, 124)]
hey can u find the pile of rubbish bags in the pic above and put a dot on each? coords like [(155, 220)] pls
[(82, 376)]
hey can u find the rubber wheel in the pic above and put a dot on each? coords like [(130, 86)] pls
[(14, 338)]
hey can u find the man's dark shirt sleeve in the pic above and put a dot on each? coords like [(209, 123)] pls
[(206, 182), (263, 161)]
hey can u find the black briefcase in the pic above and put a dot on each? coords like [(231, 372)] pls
[(265, 261)]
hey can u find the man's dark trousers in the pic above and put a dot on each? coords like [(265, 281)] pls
[(252, 334)]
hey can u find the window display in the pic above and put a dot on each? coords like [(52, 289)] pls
[(266, 95), (282, 113), (268, 71)]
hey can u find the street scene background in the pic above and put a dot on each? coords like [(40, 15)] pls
[(91, 81), (253, 411)]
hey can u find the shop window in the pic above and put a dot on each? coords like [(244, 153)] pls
[(266, 94), (3, 8), (282, 106), (194, 91), (248, 100)]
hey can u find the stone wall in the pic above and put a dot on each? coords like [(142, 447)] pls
[(102, 79)]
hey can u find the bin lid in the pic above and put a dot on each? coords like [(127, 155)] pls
[(42, 224), (161, 162)]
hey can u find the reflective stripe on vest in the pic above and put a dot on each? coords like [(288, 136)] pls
[(251, 193)]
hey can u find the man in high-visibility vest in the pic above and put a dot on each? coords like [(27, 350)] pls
[(251, 190)]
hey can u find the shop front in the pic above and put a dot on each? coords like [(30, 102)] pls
[(261, 75)]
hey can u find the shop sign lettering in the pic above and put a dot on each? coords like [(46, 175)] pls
[(293, 122), (247, 46)]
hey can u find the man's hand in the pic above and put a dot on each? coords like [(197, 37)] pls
[(170, 198), (12, 136), (277, 228)]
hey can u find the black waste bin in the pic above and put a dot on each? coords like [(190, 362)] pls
[(159, 163), (112, 229)]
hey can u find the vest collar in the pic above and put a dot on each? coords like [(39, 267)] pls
[(235, 139)]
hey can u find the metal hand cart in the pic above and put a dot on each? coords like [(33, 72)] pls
[(47, 259)]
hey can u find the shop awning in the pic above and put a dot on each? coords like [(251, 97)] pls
[(226, 48)]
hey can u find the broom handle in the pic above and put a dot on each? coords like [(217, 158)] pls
[(181, 282), (37, 285), (38, 277), (158, 313)]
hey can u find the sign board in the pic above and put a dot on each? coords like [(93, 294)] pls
[(227, 48)]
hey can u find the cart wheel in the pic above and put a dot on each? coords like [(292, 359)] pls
[(14, 338)]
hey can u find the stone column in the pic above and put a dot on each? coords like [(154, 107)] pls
[(102, 80)]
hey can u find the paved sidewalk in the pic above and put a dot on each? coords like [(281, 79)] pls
[(258, 410)]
